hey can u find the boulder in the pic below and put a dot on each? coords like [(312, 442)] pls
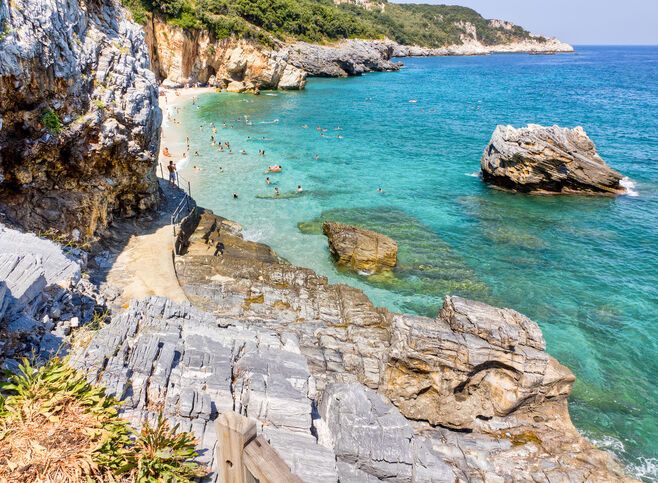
[(550, 160), (365, 251)]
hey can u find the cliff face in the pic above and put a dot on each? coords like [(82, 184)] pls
[(79, 120), (180, 56)]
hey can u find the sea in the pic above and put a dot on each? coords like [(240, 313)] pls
[(399, 152)]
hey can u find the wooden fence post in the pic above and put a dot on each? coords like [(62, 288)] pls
[(234, 432)]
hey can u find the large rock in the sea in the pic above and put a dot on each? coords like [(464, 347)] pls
[(538, 159), (360, 249), (79, 117)]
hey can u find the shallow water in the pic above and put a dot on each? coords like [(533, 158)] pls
[(586, 269)]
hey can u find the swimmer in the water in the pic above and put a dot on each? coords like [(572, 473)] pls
[(299, 188), (243, 152), (380, 190), (267, 180), (276, 192), (196, 153), (235, 196)]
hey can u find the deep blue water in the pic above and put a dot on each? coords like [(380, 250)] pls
[(586, 269)]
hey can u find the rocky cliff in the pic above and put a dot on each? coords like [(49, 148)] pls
[(79, 119), (180, 56)]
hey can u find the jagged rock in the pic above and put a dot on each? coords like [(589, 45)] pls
[(182, 57), (80, 117), (360, 249), (477, 369), (538, 159), (473, 362), (374, 442), (345, 58), (192, 366)]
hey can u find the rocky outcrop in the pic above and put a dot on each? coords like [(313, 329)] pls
[(468, 394), (538, 159), (165, 356), (79, 119), (345, 58), (42, 296), (361, 250), (472, 46), (182, 57)]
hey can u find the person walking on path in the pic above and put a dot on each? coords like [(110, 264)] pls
[(171, 167)]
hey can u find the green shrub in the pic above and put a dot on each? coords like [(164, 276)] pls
[(56, 426), (51, 121)]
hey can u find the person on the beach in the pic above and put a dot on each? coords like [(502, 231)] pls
[(171, 167)]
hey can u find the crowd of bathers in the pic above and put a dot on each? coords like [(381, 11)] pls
[(225, 147)]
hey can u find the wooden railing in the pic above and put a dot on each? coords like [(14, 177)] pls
[(244, 457)]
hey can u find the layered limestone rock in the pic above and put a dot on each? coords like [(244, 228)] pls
[(182, 57), (79, 118), (169, 357), (473, 389), (361, 250), (538, 159), (345, 58)]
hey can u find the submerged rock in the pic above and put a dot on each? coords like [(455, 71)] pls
[(538, 159), (359, 249), (80, 116)]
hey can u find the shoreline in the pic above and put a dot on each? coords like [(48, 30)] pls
[(170, 138)]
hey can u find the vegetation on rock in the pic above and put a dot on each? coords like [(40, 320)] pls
[(56, 426), (51, 121), (322, 21)]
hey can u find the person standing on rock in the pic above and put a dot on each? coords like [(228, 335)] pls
[(171, 167)]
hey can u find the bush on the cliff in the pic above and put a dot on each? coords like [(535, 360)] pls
[(51, 121), (55, 426)]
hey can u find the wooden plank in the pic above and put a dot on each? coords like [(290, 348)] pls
[(234, 432), (265, 464)]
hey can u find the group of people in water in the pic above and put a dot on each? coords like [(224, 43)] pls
[(225, 147)]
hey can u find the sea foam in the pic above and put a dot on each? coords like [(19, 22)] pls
[(629, 185)]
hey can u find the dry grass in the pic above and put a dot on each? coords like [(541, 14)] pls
[(55, 427), (37, 448)]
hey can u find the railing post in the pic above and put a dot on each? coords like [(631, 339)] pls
[(234, 432), (189, 189)]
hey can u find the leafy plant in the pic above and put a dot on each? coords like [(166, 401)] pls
[(51, 121), (56, 426), (160, 453)]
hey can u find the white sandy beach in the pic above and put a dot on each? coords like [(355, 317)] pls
[(171, 133)]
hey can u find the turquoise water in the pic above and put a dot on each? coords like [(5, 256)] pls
[(586, 269)]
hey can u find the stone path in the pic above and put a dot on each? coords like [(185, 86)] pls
[(138, 259)]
